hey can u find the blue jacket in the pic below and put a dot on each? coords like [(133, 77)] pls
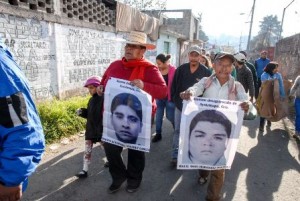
[(21, 135), (260, 64), (266, 76)]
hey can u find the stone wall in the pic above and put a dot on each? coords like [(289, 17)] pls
[(287, 54)]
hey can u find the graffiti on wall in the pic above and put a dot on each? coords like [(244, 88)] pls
[(88, 52), (28, 40)]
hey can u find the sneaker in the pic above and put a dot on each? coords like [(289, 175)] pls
[(82, 174), (132, 188), (156, 138)]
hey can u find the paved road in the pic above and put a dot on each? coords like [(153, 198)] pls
[(266, 168)]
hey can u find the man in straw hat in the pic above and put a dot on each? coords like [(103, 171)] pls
[(145, 75)]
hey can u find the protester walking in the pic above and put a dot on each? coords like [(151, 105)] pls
[(271, 73), (295, 91), (165, 104), (186, 76), (146, 76), (260, 64), (94, 126), (220, 85)]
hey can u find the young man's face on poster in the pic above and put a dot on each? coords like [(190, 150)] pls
[(126, 123), (207, 143)]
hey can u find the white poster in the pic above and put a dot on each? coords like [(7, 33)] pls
[(209, 133), (127, 115)]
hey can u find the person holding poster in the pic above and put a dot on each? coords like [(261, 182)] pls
[(220, 85), (185, 76), (146, 76)]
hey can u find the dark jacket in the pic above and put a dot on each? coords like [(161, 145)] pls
[(253, 70), (93, 114), (183, 79)]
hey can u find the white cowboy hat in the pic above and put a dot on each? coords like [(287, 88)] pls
[(139, 38)]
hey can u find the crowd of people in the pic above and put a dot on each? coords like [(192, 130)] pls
[(168, 86)]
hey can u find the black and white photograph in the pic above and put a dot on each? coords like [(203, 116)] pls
[(209, 133), (125, 121)]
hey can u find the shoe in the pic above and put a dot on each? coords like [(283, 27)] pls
[(202, 180), (132, 188), (269, 123), (106, 164), (113, 188), (174, 162), (82, 174), (261, 129), (156, 138)]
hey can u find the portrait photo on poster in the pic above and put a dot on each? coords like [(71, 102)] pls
[(126, 122), (208, 138)]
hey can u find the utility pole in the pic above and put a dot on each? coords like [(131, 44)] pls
[(283, 18), (250, 29)]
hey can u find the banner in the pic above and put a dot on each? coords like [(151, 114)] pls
[(209, 133), (127, 115)]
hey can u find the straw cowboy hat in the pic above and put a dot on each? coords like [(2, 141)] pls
[(139, 38)]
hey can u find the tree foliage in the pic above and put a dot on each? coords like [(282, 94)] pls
[(146, 4), (268, 35)]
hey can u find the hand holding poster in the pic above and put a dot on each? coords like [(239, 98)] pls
[(127, 115), (209, 133)]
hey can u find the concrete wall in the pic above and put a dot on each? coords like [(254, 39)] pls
[(173, 47), (287, 54), (59, 51)]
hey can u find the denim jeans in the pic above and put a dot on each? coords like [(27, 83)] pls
[(170, 109), (175, 144), (297, 119)]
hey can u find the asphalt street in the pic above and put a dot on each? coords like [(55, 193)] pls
[(266, 168)]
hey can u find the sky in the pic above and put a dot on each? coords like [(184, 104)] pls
[(232, 17)]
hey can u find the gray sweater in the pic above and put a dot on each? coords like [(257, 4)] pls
[(295, 90)]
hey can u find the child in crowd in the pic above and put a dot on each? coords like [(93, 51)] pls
[(295, 91), (94, 126)]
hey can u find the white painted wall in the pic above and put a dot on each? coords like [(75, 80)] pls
[(57, 58), (174, 45)]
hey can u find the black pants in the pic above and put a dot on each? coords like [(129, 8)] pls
[(257, 87), (117, 169)]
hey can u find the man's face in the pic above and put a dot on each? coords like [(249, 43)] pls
[(223, 68), (207, 146), (194, 58), (134, 52), (263, 55), (126, 123)]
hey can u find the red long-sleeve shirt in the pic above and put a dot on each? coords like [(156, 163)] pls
[(154, 83)]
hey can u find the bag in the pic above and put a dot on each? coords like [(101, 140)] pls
[(251, 114), (269, 104)]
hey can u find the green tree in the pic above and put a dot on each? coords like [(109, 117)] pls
[(146, 4), (268, 34)]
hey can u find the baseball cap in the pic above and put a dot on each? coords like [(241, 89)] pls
[(221, 55), (240, 57), (195, 48)]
